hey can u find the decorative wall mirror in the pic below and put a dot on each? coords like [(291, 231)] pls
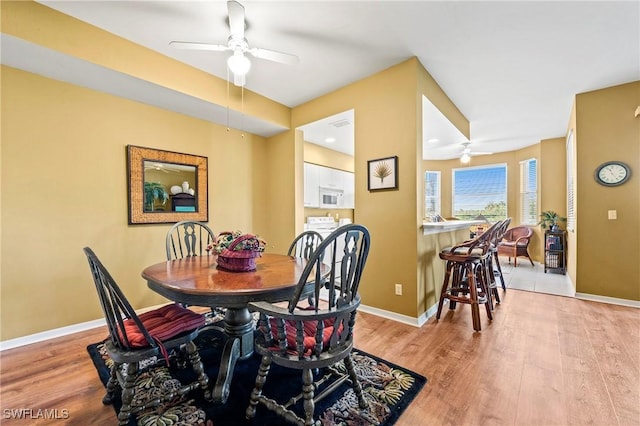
[(166, 186)]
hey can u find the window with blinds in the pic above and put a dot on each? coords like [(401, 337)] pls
[(431, 193), (571, 213), (480, 191), (529, 192)]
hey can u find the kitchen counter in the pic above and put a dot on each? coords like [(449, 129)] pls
[(450, 225), (431, 269)]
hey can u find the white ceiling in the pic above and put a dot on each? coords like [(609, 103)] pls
[(512, 68)]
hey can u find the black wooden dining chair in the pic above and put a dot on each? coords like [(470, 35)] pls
[(136, 338), (188, 238), (303, 247), (305, 244), (314, 337)]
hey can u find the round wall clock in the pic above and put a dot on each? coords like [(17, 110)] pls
[(612, 173)]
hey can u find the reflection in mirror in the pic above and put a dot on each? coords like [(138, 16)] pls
[(169, 187)]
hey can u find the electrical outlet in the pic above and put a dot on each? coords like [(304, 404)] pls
[(612, 214), (398, 289)]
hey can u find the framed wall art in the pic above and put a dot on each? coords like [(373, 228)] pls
[(382, 174)]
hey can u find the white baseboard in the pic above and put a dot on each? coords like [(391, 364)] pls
[(59, 332), (416, 322), (606, 299), (50, 334)]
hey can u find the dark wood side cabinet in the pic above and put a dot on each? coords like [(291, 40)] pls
[(555, 251), (183, 203)]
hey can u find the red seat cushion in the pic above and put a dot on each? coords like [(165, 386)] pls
[(162, 324), (309, 329)]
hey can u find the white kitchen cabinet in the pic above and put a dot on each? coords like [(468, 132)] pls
[(330, 178), (311, 185), (316, 177), (349, 190)]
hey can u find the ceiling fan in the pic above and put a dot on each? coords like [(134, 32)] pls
[(238, 63), (160, 167), (466, 154)]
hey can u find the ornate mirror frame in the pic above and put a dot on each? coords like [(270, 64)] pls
[(136, 157)]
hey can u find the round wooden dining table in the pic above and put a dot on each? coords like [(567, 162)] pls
[(199, 281)]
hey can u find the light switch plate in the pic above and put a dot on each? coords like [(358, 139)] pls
[(613, 214)]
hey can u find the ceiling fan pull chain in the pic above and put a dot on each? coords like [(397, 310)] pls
[(228, 100), (242, 111)]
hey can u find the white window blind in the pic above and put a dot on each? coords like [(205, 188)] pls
[(571, 212), (431, 193), (480, 191), (529, 192)]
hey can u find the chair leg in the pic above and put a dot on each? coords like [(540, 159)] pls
[(265, 365), (504, 287), (196, 363), (111, 385), (457, 282), (493, 281), (307, 394), (490, 282), (488, 304), (128, 392), (473, 295), (445, 286), (357, 387)]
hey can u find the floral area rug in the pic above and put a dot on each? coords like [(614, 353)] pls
[(388, 390)]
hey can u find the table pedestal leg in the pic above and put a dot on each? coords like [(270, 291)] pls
[(239, 345), (238, 323), (230, 355)]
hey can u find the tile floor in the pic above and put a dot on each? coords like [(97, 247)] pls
[(532, 278)]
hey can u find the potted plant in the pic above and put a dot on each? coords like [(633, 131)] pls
[(154, 191), (550, 219)]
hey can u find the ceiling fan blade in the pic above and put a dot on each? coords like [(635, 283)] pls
[(188, 45), (236, 19), (480, 153), (274, 55)]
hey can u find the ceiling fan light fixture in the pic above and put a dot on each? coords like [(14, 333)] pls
[(465, 158), (238, 63)]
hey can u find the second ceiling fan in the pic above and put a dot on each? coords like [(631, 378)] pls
[(238, 63), (466, 154)]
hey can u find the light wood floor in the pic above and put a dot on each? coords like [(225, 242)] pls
[(544, 360)]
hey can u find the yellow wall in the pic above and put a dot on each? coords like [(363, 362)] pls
[(608, 250), (552, 179), (322, 156), (64, 187)]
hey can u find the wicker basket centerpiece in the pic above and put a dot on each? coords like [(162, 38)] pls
[(237, 251)]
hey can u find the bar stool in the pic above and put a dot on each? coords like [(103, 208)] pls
[(492, 273), (466, 277), (497, 269)]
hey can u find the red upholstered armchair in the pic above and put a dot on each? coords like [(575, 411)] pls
[(515, 242)]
